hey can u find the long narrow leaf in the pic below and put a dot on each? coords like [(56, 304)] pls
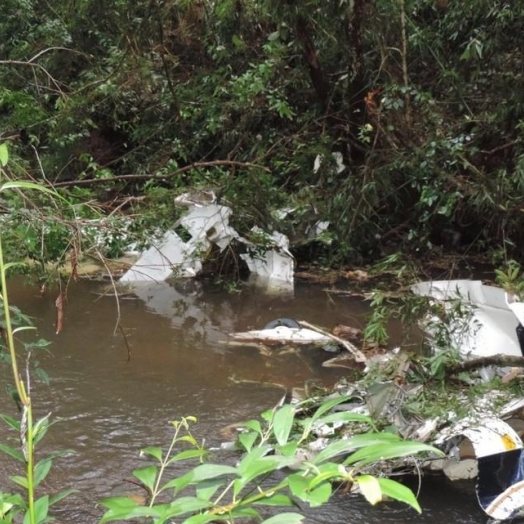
[(340, 447), (41, 470), (41, 509), (330, 404), (22, 184), (285, 518), (62, 495), (12, 452), (183, 505), (378, 452), (4, 155), (395, 490), (11, 422), (283, 422), (203, 519)]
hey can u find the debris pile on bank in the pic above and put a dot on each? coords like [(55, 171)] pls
[(471, 413)]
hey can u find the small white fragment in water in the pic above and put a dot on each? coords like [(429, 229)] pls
[(282, 334)]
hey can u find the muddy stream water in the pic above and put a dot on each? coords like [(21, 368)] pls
[(111, 395)]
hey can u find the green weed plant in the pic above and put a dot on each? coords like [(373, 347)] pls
[(31, 507), (210, 492)]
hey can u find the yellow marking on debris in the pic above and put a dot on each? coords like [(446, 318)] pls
[(508, 442)]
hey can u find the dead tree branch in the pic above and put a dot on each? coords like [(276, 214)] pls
[(494, 360), (149, 176)]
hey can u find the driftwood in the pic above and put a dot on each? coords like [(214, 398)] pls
[(494, 360), (358, 355)]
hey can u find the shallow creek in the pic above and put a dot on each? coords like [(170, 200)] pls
[(111, 395)]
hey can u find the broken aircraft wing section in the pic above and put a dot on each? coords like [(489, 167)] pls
[(491, 327)]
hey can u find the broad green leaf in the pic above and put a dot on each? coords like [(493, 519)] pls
[(188, 454), (128, 511), (395, 490), (119, 503), (21, 481), (267, 415), (210, 471), (289, 449), (392, 450), (4, 154), (248, 439), (147, 476), (121, 508), (298, 485), (259, 467), (183, 505), (262, 465), (320, 495), (207, 488), (254, 425), (41, 509), (153, 451), (12, 452), (283, 422), (285, 518), (327, 472), (199, 474), (243, 511), (301, 488), (370, 488), (41, 470), (188, 438), (201, 519)]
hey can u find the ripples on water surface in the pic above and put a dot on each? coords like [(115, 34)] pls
[(111, 397)]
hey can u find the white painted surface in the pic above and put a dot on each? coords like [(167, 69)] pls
[(491, 330)]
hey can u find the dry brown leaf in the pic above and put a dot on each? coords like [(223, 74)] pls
[(74, 263), (59, 303)]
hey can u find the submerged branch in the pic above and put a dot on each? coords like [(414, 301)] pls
[(359, 356), (494, 360)]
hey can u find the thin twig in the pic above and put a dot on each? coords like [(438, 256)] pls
[(113, 285), (493, 360), (125, 341), (359, 356), (148, 176)]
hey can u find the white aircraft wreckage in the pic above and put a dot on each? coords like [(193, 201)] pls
[(486, 444), (492, 323), (181, 251)]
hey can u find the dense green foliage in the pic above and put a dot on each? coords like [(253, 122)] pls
[(423, 99)]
